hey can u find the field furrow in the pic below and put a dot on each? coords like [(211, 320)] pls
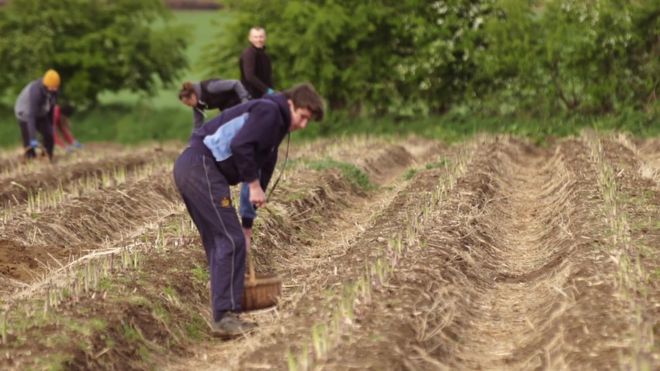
[(344, 248), (513, 275), (394, 254), (70, 177), (304, 199)]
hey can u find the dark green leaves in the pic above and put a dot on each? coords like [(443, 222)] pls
[(96, 45)]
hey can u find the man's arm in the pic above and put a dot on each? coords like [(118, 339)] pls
[(198, 117), (249, 66), (267, 170), (241, 92), (258, 133)]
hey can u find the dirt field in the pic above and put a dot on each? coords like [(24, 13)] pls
[(395, 254)]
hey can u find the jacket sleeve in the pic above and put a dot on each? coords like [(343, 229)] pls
[(268, 169), (258, 134), (248, 61), (241, 92), (198, 117)]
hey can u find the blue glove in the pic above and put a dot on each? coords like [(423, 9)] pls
[(34, 144), (77, 144), (270, 91)]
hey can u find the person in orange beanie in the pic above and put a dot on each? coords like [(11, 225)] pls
[(34, 111)]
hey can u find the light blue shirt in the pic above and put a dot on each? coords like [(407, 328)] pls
[(220, 142)]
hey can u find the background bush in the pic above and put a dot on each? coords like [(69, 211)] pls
[(413, 57), (95, 45), (444, 68), (591, 57)]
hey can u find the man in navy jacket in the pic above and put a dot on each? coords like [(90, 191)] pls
[(238, 146)]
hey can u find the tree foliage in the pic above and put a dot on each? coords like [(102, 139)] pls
[(591, 56), (444, 37), (95, 45), (411, 56), (383, 55), (341, 46)]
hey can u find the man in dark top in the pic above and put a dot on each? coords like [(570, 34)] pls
[(240, 145), (256, 76), (256, 71), (209, 94)]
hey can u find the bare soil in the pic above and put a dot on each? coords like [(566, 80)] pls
[(17, 186), (511, 271), (489, 254)]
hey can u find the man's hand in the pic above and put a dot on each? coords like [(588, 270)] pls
[(257, 195)]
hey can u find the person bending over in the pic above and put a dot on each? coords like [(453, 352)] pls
[(34, 111), (236, 147), (210, 94)]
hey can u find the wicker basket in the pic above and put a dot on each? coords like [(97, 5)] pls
[(261, 290)]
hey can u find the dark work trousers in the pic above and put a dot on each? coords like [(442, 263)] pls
[(205, 192), (45, 128)]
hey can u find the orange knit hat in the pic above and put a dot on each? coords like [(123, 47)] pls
[(51, 79)]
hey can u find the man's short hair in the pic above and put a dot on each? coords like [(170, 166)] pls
[(256, 28), (305, 96)]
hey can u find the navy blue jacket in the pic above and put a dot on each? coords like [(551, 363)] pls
[(244, 139)]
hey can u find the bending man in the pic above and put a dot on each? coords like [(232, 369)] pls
[(232, 148), (209, 94), (34, 111)]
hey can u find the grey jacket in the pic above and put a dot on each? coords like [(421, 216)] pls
[(216, 88), (35, 103)]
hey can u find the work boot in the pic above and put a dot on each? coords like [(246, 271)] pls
[(231, 325)]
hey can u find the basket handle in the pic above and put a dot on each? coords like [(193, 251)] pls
[(252, 278)]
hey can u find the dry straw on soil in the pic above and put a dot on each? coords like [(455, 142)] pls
[(495, 254), (315, 193), (19, 187), (513, 275), (613, 158)]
